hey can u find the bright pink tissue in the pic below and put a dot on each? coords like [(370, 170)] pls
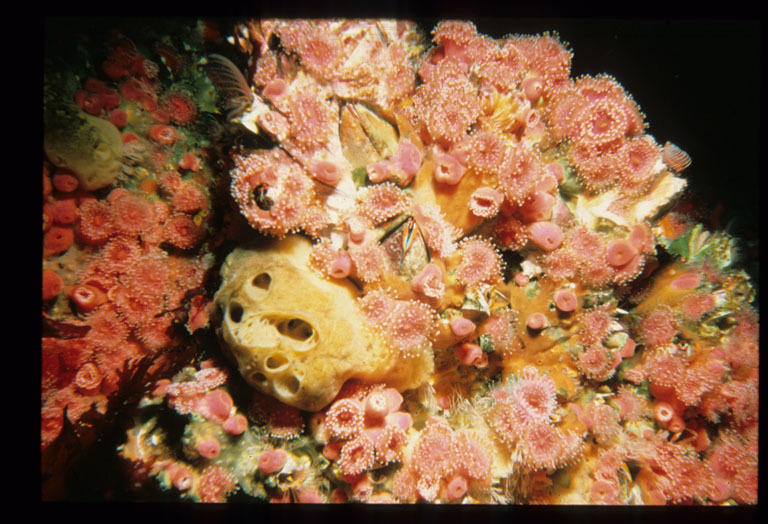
[(546, 235), (448, 170)]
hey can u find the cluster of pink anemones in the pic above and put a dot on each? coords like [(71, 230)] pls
[(595, 326), (372, 427), (631, 405), (94, 225), (181, 231), (188, 198), (329, 261), (409, 327), (596, 362), (545, 446), (489, 153), (272, 191), (659, 327), (527, 170), (131, 214), (312, 119), (180, 107), (447, 103), (548, 59), (444, 464), (638, 159)]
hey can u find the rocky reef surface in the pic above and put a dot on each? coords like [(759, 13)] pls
[(349, 261)]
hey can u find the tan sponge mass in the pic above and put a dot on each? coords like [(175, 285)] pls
[(298, 337)]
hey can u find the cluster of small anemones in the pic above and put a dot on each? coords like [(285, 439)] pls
[(272, 191), (601, 420), (670, 472), (323, 49), (605, 488), (123, 290), (602, 121), (366, 429), (521, 417), (62, 204), (733, 461), (445, 464), (381, 202), (71, 379), (407, 325)]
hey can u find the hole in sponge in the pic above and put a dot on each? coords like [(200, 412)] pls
[(275, 362), (295, 328), (235, 312), (260, 379), (288, 385), (262, 281)]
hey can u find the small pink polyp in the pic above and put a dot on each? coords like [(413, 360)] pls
[(462, 327), (620, 252), (341, 266), (274, 89), (272, 460), (430, 281), (325, 171), (565, 300), (379, 171), (537, 321), (472, 355), (685, 281), (533, 87), (546, 235), (407, 158), (556, 169), (448, 170), (538, 208)]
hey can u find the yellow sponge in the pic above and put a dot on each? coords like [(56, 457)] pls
[(298, 337)]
